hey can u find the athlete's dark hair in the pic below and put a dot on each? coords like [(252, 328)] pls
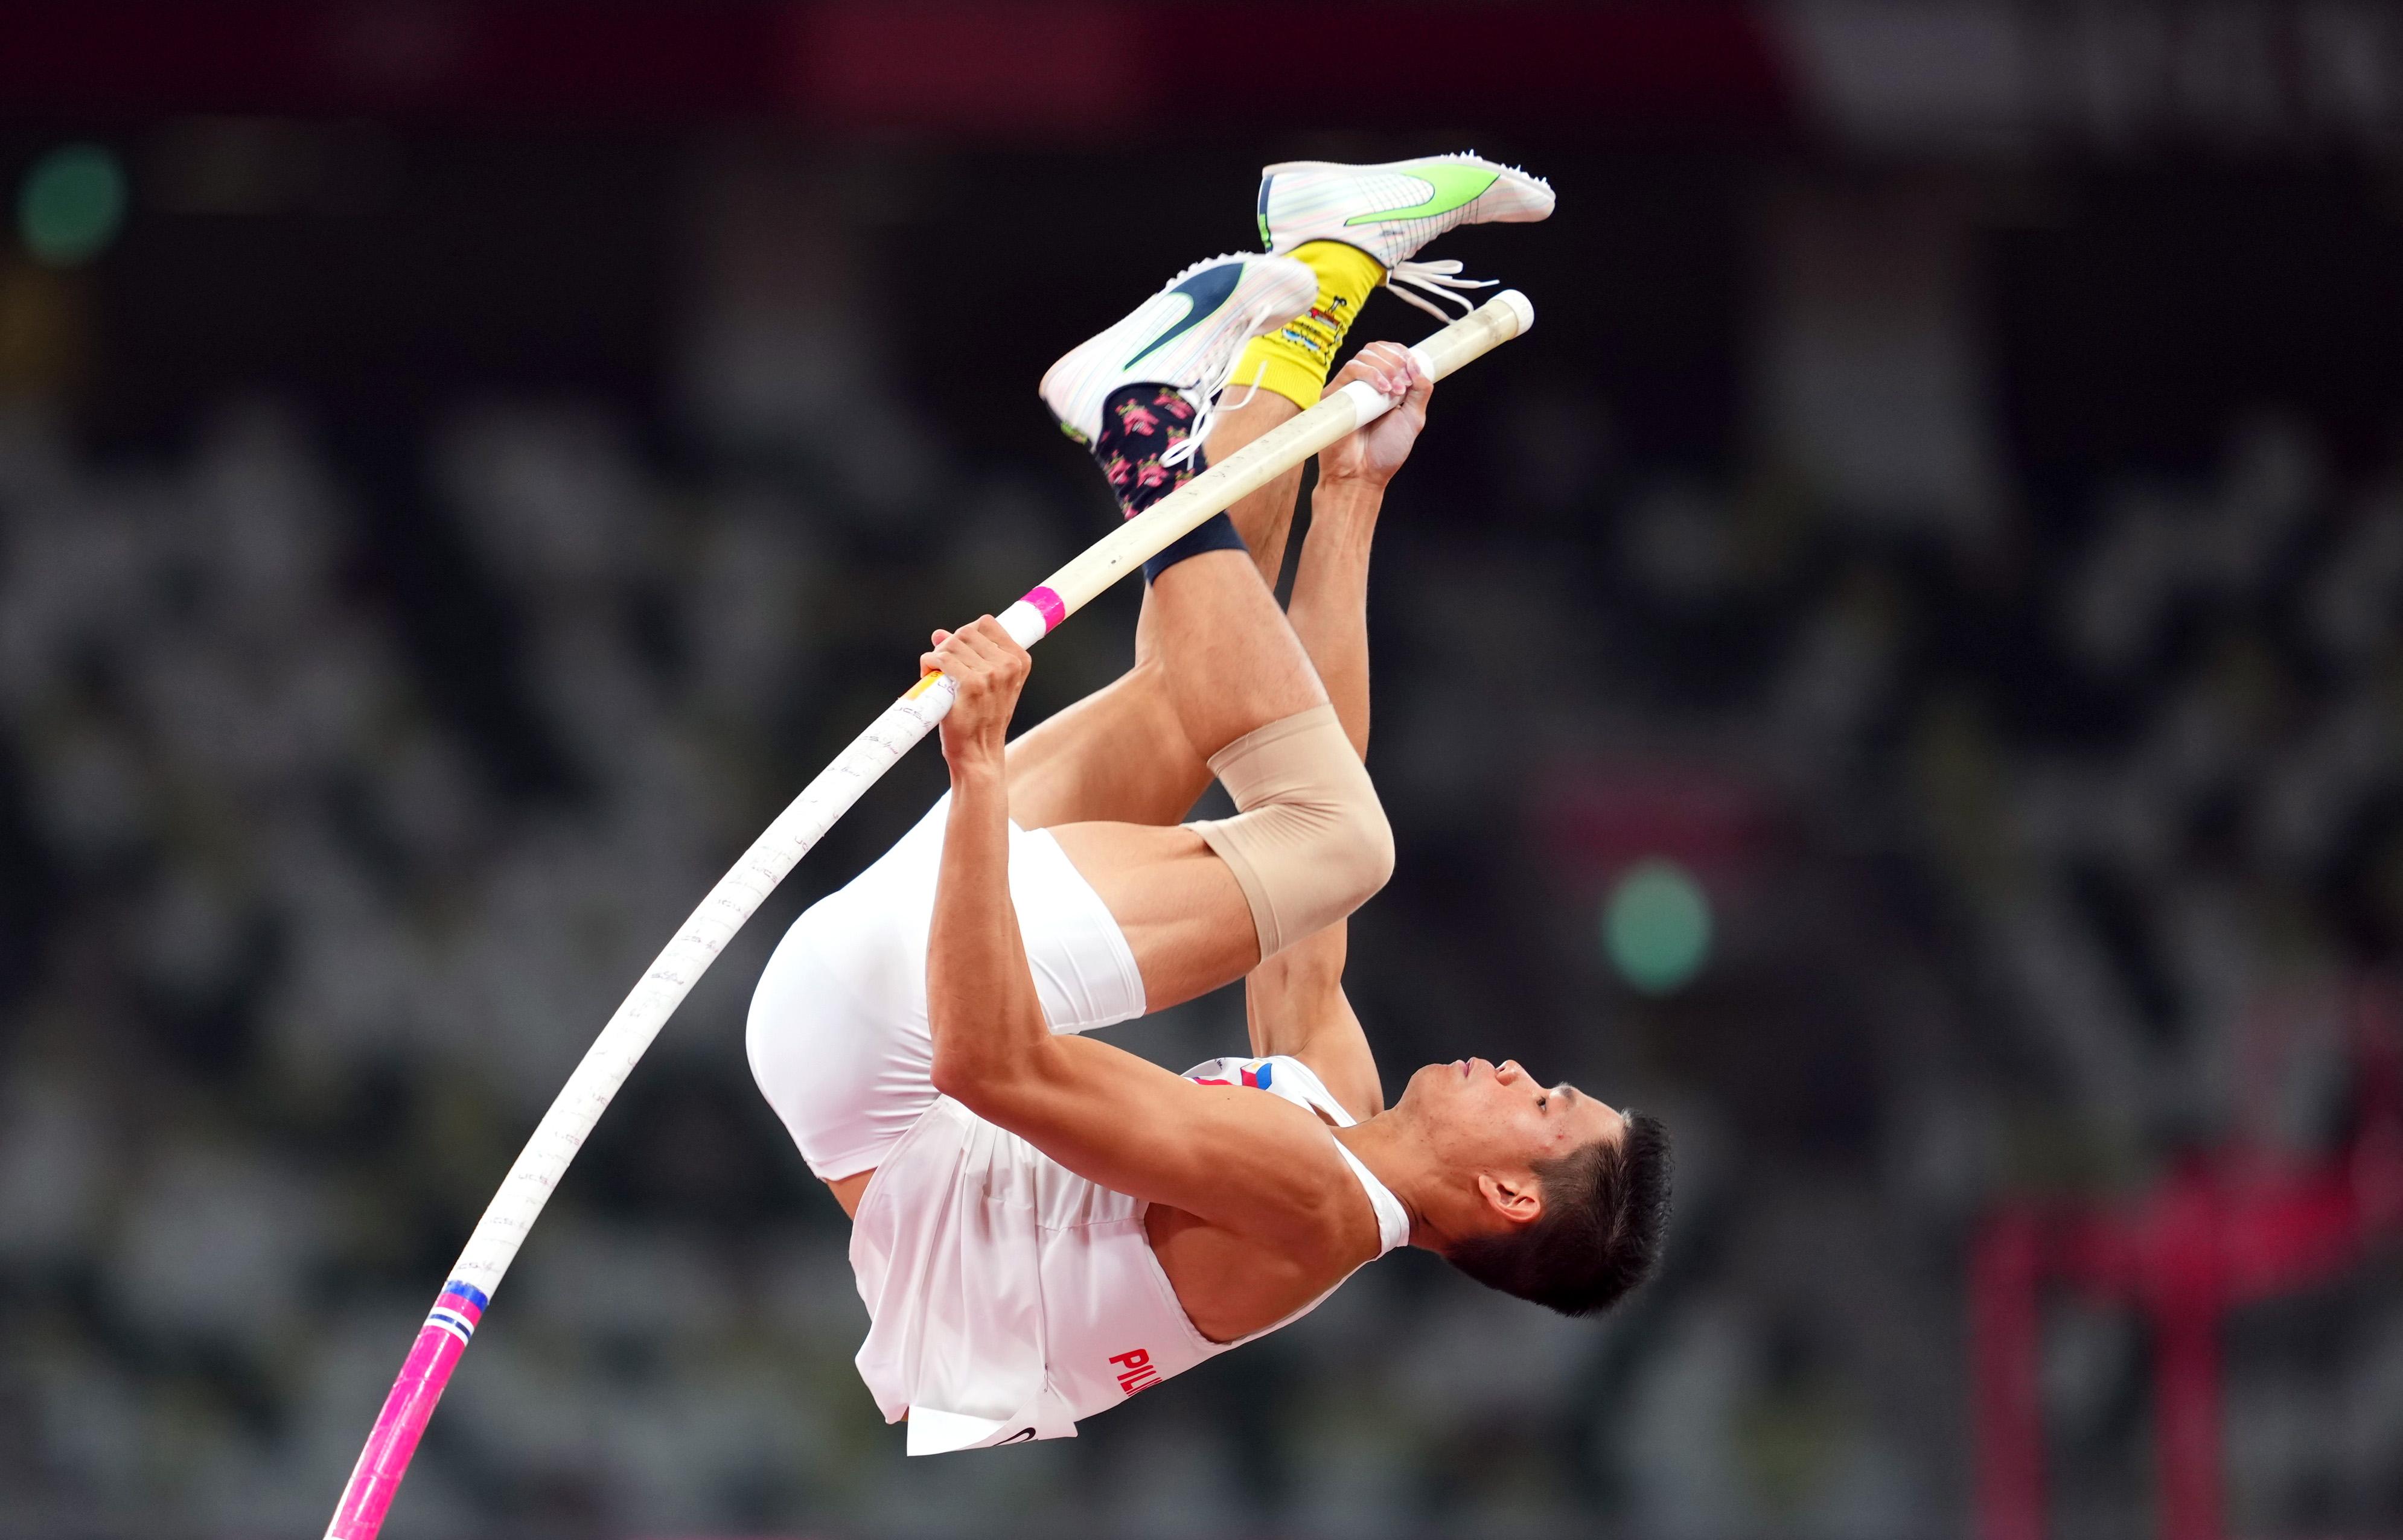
[(1605, 1208)]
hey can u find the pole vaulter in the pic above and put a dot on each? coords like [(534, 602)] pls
[(536, 1173)]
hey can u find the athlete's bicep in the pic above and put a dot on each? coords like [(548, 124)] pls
[(1234, 1157)]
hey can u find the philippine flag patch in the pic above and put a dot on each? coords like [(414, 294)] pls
[(1232, 1072)]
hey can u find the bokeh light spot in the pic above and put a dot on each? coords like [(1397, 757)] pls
[(1657, 926), (71, 206)]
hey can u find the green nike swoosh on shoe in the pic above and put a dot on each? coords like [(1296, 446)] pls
[(1449, 184)]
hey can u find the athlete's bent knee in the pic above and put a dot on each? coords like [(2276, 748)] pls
[(1311, 843)]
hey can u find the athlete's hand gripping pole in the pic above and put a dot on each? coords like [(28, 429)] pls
[(606, 1065)]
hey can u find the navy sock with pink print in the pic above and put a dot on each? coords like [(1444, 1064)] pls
[(1140, 423)]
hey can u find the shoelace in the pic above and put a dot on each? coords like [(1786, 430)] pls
[(1440, 279), (1211, 387)]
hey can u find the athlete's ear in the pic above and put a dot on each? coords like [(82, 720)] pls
[(1516, 1197)]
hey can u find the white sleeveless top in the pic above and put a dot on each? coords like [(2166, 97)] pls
[(1010, 1297)]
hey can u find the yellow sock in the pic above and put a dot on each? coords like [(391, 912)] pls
[(1292, 360)]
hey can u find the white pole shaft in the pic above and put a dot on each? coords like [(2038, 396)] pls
[(536, 1173)]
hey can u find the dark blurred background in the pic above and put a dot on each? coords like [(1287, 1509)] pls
[(1899, 673)]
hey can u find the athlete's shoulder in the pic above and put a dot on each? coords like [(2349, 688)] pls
[(1279, 1154)]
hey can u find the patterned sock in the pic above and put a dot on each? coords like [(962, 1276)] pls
[(1294, 361), (1139, 424)]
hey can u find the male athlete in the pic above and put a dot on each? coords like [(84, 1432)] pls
[(1044, 1224)]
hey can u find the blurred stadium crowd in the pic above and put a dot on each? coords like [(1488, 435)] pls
[(2049, 809)]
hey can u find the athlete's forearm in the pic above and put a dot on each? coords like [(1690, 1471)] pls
[(1330, 609), (981, 1007), (1296, 1007)]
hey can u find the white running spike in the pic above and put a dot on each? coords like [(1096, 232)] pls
[(1391, 211), (1186, 337)]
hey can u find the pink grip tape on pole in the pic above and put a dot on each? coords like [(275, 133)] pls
[(375, 1481)]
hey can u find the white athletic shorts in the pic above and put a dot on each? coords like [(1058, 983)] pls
[(837, 1035)]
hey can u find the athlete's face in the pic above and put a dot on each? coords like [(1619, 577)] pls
[(1499, 1119)]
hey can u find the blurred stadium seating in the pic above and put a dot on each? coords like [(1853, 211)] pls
[(472, 491)]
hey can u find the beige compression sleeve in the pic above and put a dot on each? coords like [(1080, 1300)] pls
[(1309, 843)]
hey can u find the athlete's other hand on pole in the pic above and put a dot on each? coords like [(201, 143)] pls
[(1372, 456), (989, 668)]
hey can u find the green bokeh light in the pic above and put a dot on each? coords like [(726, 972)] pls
[(71, 204), (1657, 926)]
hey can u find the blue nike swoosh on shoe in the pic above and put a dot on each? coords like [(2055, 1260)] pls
[(1205, 292)]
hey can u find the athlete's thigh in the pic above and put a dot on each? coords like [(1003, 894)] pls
[(1118, 755), (1180, 907)]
